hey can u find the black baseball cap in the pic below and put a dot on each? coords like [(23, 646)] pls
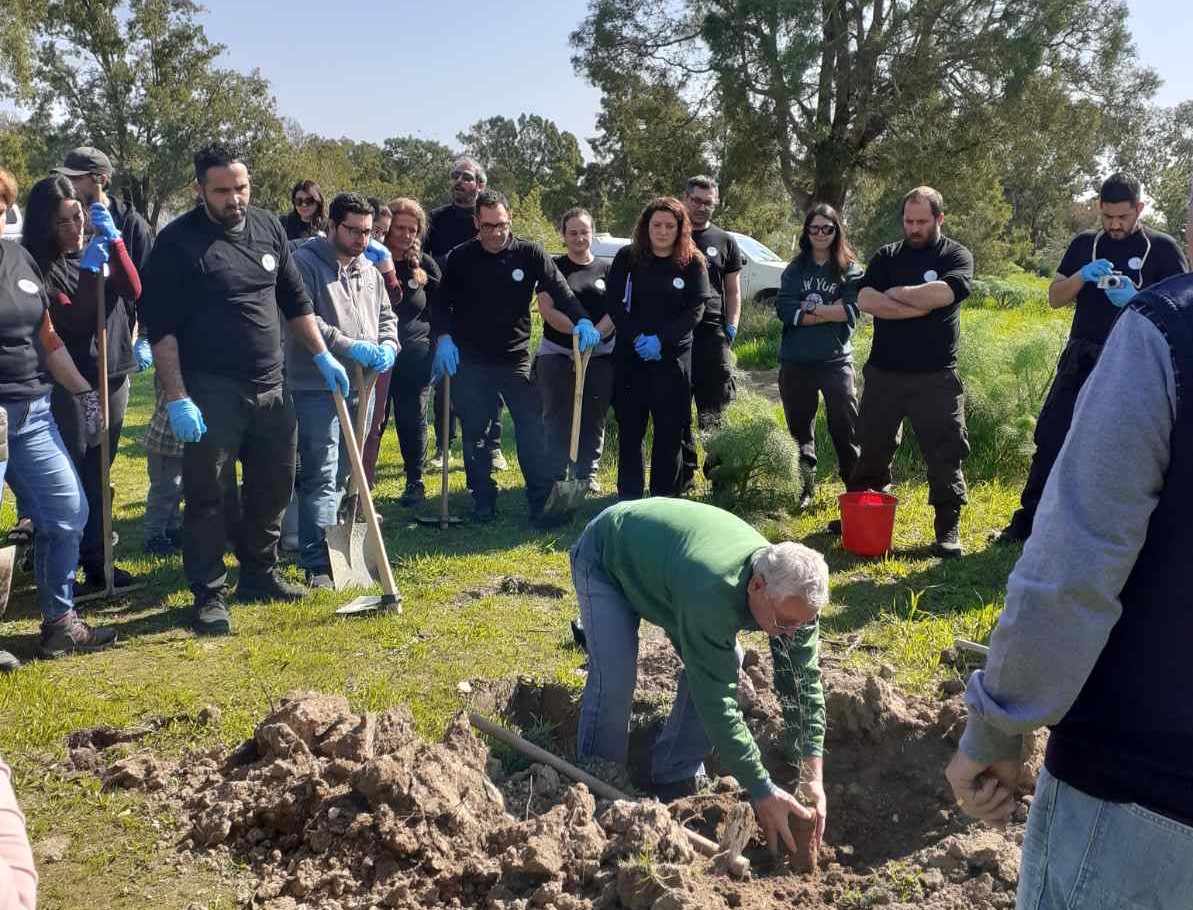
[(85, 160)]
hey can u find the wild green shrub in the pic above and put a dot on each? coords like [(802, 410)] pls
[(752, 461)]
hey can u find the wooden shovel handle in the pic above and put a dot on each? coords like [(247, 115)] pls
[(444, 514), (580, 366)]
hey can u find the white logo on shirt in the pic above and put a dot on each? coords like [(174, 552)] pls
[(269, 262), (412, 284), (518, 274), (599, 284), (679, 285), (29, 287), (930, 275), (814, 299), (712, 251), (1135, 263)]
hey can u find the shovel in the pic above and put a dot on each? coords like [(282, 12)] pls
[(390, 599), (567, 494), (346, 540), (444, 519)]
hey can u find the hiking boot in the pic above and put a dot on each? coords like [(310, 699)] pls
[(948, 532), (8, 662), (211, 615), (70, 635), (1008, 536), (267, 586), (159, 545), (483, 512), (435, 462), (21, 534), (320, 581), (413, 494), (94, 579), (497, 459), (688, 786)]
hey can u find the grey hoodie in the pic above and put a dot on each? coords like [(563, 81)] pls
[(351, 304)]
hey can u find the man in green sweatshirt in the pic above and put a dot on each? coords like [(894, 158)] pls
[(702, 575)]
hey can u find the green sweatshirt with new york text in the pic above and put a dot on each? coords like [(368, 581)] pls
[(684, 566)]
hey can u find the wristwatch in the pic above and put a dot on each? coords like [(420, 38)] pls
[(809, 305)]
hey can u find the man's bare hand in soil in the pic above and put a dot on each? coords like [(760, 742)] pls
[(984, 791), (773, 813)]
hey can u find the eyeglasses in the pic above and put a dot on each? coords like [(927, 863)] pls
[(497, 228), (301, 202), (358, 233), (464, 175), (702, 203), (780, 628), (827, 229)]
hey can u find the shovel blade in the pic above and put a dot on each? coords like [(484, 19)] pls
[(346, 556), (364, 606), (565, 498), (8, 558)]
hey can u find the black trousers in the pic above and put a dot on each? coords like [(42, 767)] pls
[(69, 416), (712, 387), (554, 377), (409, 389), (800, 388), (1077, 361), (935, 405), (473, 388), (448, 433), (257, 428), (659, 392)]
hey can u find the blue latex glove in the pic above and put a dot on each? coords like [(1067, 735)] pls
[(649, 347), (363, 352), (143, 354), (447, 358), (1092, 271), (384, 360), (101, 221), (587, 333), (334, 375), (1120, 297), (186, 420), (95, 256), (377, 252), (731, 331)]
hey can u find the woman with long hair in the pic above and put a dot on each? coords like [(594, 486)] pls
[(34, 461), (54, 234), (817, 305), (407, 386), (657, 290), (308, 218)]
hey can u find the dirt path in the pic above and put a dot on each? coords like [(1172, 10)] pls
[(761, 382)]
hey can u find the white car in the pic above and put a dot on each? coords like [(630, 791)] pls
[(761, 268), (13, 223)]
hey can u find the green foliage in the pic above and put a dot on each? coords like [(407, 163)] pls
[(755, 462), (531, 224)]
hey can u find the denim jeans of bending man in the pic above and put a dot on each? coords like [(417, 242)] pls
[(323, 468), (1083, 853), (611, 631), (47, 485)]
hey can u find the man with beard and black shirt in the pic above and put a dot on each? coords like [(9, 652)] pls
[(449, 226), (217, 280), (1123, 244), (914, 289), (482, 318), (712, 364)]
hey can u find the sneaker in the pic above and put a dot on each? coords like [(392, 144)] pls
[(593, 486), (211, 615), (320, 581), (159, 545), (484, 512), (435, 462), (267, 586), (94, 579), (8, 662), (948, 532), (69, 635), (413, 494), (498, 461)]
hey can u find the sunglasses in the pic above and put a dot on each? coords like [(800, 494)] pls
[(464, 175), (303, 201), (827, 229)]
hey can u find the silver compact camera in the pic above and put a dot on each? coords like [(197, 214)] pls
[(1115, 281)]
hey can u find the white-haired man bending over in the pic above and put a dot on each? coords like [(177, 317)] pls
[(702, 575)]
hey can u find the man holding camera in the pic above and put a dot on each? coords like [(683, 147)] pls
[(1101, 270)]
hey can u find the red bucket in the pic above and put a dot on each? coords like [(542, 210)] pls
[(867, 522)]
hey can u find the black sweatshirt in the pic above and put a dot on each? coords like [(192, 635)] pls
[(23, 307), (219, 293), (667, 301), (450, 225), (484, 299), (414, 310)]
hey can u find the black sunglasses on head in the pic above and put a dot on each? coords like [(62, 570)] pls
[(827, 229)]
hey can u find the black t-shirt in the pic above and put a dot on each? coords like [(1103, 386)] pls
[(484, 298), (588, 283), (219, 292), (723, 256), (450, 225), (927, 343), (665, 300), (1094, 314), (414, 312), (23, 306)]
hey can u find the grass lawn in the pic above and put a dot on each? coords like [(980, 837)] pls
[(456, 625)]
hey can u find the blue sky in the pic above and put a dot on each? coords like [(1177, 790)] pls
[(370, 69)]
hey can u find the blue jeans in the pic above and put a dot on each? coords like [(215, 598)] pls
[(323, 467), (46, 484), (611, 631), (1083, 853)]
